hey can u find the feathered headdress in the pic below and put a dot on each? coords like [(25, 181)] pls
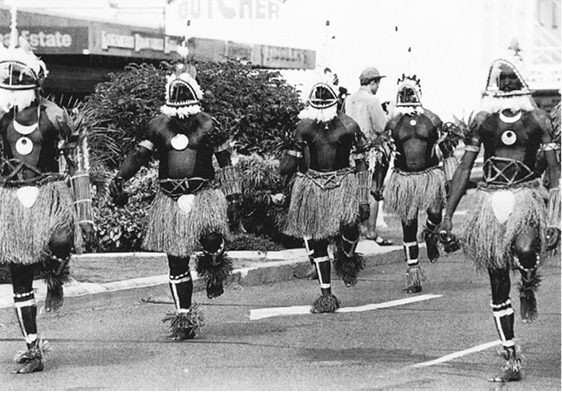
[(183, 94), (322, 99), (408, 96), (505, 86), (21, 72)]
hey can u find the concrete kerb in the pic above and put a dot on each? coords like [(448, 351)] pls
[(262, 268)]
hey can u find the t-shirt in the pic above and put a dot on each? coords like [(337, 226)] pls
[(365, 108)]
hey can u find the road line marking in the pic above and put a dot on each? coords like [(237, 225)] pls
[(256, 314), (455, 355)]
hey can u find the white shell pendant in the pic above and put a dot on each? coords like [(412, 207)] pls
[(413, 122), (185, 202), (509, 138), (502, 205), (24, 145), (27, 195), (180, 142)]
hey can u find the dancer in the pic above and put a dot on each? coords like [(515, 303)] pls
[(42, 220), (417, 181), (189, 208), (508, 226), (329, 198)]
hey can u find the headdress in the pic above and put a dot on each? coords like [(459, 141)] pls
[(183, 94), (408, 96), (322, 100), (505, 86), (21, 72)]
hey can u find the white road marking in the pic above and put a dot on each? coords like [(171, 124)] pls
[(455, 355), (256, 314)]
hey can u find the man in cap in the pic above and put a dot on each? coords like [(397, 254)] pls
[(366, 109)]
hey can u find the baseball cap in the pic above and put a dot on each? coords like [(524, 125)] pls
[(370, 73)]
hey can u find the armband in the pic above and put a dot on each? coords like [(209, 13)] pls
[(294, 153), (80, 183), (147, 144), (549, 147), (364, 182), (230, 181), (553, 215), (357, 156), (474, 149), (223, 147), (450, 165)]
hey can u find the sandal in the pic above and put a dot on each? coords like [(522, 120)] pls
[(383, 242)]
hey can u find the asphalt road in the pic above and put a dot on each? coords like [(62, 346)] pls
[(444, 341)]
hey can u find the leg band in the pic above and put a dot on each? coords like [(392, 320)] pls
[(181, 287), (411, 251), (504, 318), (26, 311), (349, 246), (323, 268)]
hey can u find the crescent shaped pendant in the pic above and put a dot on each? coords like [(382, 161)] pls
[(510, 120)]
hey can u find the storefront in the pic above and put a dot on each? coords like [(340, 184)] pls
[(80, 53)]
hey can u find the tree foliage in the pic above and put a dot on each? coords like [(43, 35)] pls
[(258, 108)]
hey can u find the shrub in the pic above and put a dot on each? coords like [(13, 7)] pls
[(261, 216), (257, 107), (126, 104), (121, 228), (252, 242)]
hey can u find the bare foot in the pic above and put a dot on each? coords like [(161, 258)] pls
[(54, 298), (214, 289), (432, 248), (30, 366), (509, 375), (529, 311)]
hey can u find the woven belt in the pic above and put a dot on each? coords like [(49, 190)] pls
[(493, 174), (175, 188), (13, 170), (328, 180)]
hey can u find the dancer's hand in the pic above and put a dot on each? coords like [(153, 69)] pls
[(377, 193), (446, 226), (88, 232), (449, 241), (364, 212), (234, 213), (552, 237), (278, 199), (120, 198)]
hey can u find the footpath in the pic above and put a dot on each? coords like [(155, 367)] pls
[(250, 268)]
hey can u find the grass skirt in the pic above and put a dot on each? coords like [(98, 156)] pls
[(409, 193), (25, 233), (174, 232), (488, 242), (318, 213)]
